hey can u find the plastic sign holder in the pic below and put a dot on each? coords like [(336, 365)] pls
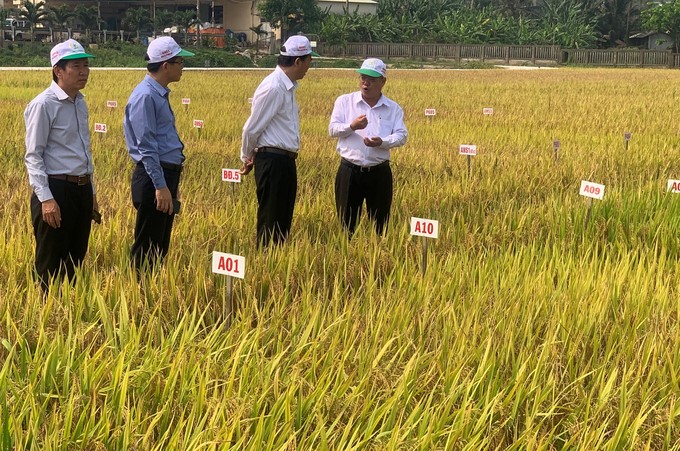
[(673, 186), (556, 147), (427, 228), (593, 191), (626, 138), (231, 266), (100, 128), (233, 176), (469, 150)]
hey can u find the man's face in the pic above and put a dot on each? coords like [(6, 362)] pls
[(74, 76), (303, 66), (371, 87), (174, 69)]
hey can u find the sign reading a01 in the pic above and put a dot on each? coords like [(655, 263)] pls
[(231, 175), (228, 264), (592, 190), (425, 227)]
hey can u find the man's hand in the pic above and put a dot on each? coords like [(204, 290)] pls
[(164, 200), (247, 167), (373, 142), (95, 204), (359, 123), (51, 213)]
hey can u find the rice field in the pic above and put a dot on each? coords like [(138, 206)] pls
[(529, 329)]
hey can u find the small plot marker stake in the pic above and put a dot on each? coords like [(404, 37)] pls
[(101, 129), (427, 228), (430, 113), (626, 138), (199, 125), (231, 266), (233, 176), (469, 150), (592, 191), (111, 105), (186, 101), (556, 147)]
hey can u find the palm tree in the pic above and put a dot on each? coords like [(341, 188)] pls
[(61, 16), (185, 19), (88, 15), (34, 13), (136, 19)]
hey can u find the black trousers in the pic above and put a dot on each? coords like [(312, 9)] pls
[(352, 187), (276, 180), (152, 227), (60, 251)]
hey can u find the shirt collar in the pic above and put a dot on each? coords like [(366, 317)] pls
[(287, 82), (61, 95), (358, 99), (156, 86)]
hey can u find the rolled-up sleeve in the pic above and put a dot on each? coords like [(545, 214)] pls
[(37, 132), (141, 117)]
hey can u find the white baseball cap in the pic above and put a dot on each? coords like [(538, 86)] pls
[(373, 67), (164, 48), (297, 46), (68, 50)]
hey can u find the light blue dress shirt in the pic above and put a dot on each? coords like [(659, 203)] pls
[(150, 131)]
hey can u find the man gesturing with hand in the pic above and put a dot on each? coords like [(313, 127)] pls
[(367, 125)]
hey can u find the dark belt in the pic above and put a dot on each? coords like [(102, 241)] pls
[(79, 180), (168, 166), (356, 167), (277, 151)]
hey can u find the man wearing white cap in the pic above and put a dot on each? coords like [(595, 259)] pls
[(155, 147), (367, 125), (271, 139), (59, 164)]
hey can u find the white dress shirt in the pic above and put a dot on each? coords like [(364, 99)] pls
[(274, 118), (385, 120), (57, 139)]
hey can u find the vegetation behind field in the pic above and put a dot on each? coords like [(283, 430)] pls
[(529, 330)]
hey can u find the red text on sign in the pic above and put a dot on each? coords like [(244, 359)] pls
[(424, 227), (228, 264), (592, 189)]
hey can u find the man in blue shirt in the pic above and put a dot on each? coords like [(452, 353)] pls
[(155, 147)]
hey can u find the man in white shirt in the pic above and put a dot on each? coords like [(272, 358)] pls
[(59, 164), (367, 125), (271, 139)]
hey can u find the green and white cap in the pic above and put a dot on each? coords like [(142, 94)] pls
[(373, 67), (68, 50)]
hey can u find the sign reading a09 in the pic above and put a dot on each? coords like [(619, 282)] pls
[(592, 190)]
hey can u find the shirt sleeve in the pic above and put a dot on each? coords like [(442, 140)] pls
[(399, 134), (37, 132), (266, 105), (338, 128), (141, 116)]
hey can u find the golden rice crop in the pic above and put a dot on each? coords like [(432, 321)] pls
[(528, 330)]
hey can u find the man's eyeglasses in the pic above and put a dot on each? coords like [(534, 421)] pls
[(176, 62)]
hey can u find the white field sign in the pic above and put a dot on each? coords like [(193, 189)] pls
[(429, 112), (250, 100), (468, 149), (186, 101), (487, 111), (592, 190), (228, 264), (627, 136), (231, 175), (556, 144), (674, 186), (112, 104), (100, 128), (428, 228), (198, 123)]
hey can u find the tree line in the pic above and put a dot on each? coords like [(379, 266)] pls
[(568, 23)]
